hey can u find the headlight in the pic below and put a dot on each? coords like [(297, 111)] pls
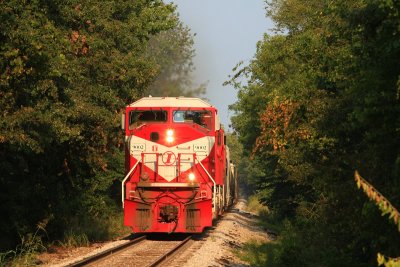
[(170, 136), (191, 177)]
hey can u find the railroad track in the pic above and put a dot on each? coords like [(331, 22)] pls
[(138, 252)]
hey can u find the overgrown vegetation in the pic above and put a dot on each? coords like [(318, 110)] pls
[(67, 68), (322, 100), (386, 208), (255, 207), (25, 253)]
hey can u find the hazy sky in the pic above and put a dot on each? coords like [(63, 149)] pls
[(227, 32)]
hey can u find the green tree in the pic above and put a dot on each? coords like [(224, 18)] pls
[(322, 100), (173, 51), (66, 70)]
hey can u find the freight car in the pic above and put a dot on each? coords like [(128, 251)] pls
[(178, 173)]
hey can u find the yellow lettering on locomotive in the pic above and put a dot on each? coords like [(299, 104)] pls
[(199, 147)]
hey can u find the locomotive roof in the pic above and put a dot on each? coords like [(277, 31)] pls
[(171, 102)]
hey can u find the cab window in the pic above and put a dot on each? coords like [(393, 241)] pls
[(138, 117), (200, 117)]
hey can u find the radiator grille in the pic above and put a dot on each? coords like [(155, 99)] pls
[(143, 219), (192, 219)]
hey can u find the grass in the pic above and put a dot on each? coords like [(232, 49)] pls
[(255, 252), (259, 254), (267, 218), (255, 207), (81, 232), (25, 253), (74, 239)]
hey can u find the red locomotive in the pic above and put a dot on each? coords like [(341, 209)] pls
[(178, 174)]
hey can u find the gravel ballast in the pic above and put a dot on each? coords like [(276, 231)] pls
[(214, 248), (235, 228)]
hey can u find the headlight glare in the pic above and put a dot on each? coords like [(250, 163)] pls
[(191, 177)]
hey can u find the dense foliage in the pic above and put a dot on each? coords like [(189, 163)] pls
[(67, 68), (322, 100)]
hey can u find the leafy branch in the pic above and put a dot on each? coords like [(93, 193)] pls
[(387, 208), (387, 261), (384, 205)]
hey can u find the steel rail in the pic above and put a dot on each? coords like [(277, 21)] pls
[(106, 253), (170, 253)]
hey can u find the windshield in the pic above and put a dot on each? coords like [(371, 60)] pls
[(138, 117), (200, 117)]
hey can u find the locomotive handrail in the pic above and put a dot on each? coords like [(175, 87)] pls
[(212, 179), (126, 178)]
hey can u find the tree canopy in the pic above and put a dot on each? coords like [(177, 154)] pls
[(67, 68), (321, 101), (173, 51)]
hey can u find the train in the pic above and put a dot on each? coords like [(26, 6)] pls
[(178, 172)]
